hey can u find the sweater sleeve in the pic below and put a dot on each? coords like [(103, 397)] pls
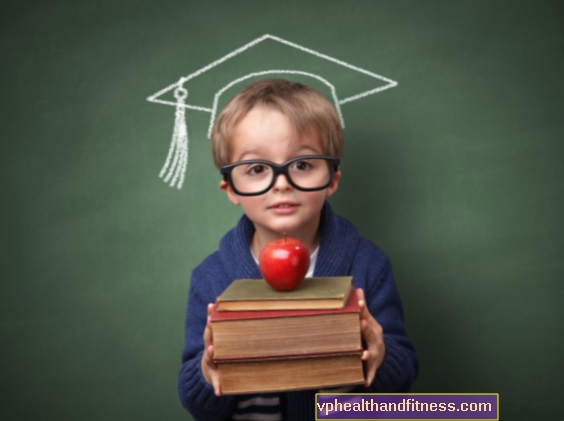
[(399, 368), (195, 393)]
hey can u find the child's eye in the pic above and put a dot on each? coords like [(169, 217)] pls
[(256, 169), (302, 165)]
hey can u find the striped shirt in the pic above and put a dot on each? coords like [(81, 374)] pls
[(258, 408), (267, 407)]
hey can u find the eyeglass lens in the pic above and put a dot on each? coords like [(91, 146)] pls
[(255, 177)]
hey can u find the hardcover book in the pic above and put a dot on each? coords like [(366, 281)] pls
[(287, 374), (312, 293), (286, 333)]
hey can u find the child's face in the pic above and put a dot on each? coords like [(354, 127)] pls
[(265, 133)]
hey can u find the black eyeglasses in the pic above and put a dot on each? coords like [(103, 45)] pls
[(256, 176)]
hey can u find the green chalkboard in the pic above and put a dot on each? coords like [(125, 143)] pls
[(457, 173)]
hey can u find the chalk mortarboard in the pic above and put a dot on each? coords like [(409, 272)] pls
[(342, 81)]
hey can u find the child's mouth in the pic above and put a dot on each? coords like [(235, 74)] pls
[(284, 208)]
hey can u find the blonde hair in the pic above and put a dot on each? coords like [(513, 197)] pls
[(304, 106)]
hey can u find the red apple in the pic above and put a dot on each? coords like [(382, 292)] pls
[(284, 263)]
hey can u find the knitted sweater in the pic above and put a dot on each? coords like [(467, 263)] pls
[(341, 252)]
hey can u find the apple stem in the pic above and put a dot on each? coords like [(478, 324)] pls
[(284, 238)]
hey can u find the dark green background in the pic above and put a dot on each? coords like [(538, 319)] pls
[(457, 174)]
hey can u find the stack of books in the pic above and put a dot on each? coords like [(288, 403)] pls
[(269, 341)]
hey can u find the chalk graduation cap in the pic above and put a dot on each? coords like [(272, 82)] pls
[(265, 57)]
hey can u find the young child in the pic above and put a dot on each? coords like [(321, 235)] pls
[(277, 125)]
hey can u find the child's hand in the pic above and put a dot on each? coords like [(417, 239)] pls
[(373, 336), (209, 367)]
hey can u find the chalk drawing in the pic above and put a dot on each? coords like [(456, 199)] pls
[(179, 145), (175, 166), (268, 72)]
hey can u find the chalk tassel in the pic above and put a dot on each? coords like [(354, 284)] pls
[(177, 158)]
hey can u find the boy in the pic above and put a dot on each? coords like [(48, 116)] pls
[(277, 143)]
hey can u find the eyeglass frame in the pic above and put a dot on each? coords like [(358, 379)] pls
[(278, 169)]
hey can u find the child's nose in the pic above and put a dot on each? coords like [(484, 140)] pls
[(281, 183)]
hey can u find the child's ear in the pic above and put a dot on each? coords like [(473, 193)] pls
[(334, 185), (224, 185)]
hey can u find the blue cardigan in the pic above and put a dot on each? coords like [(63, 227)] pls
[(341, 252)]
